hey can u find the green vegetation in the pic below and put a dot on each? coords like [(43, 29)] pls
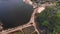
[(50, 18), (35, 33), (58, 15), (19, 32)]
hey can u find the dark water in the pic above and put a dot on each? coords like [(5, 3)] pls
[(14, 13)]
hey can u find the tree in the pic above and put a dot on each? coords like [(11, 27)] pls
[(49, 20)]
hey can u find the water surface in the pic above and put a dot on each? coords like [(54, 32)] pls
[(14, 13)]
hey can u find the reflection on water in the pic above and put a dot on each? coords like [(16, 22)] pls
[(14, 12)]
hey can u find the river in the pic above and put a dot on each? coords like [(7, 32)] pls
[(14, 13)]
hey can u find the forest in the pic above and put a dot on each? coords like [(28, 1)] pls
[(49, 19)]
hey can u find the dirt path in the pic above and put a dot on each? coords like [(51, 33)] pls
[(30, 23)]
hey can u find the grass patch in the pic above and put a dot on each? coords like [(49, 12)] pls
[(35, 33), (58, 14), (19, 32)]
